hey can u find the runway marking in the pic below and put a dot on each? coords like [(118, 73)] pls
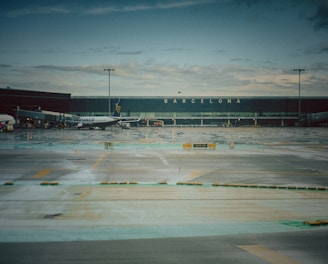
[(272, 172), (268, 254), (164, 160), (95, 165), (41, 174)]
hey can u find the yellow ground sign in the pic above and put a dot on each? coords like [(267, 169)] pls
[(199, 145)]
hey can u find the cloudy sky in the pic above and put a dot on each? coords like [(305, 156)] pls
[(163, 47)]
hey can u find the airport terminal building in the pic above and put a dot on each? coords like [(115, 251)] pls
[(173, 111)]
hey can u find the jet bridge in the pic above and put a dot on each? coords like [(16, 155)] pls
[(44, 118)]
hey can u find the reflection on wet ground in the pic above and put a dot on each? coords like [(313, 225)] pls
[(239, 135)]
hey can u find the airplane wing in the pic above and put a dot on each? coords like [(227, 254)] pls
[(128, 119)]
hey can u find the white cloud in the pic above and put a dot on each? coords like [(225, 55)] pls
[(64, 9), (156, 79), (44, 10)]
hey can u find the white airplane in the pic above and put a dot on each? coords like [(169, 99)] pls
[(103, 121), (7, 122)]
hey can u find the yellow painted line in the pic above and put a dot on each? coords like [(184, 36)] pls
[(268, 255), (41, 174), (95, 165), (85, 193), (194, 174)]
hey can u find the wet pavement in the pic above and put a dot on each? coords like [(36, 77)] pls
[(144, 188)]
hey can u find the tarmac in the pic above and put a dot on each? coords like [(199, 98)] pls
[(140, 196)]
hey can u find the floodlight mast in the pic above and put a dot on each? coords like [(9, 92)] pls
[(109, 106), (299, 70)]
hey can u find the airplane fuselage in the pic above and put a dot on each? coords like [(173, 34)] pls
[(94, 121)]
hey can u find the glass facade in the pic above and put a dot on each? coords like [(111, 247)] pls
[(206, 110)]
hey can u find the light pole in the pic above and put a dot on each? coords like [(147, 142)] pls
[(299, 70), (109, 70)]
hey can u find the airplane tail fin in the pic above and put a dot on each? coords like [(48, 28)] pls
[(118, 106)]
